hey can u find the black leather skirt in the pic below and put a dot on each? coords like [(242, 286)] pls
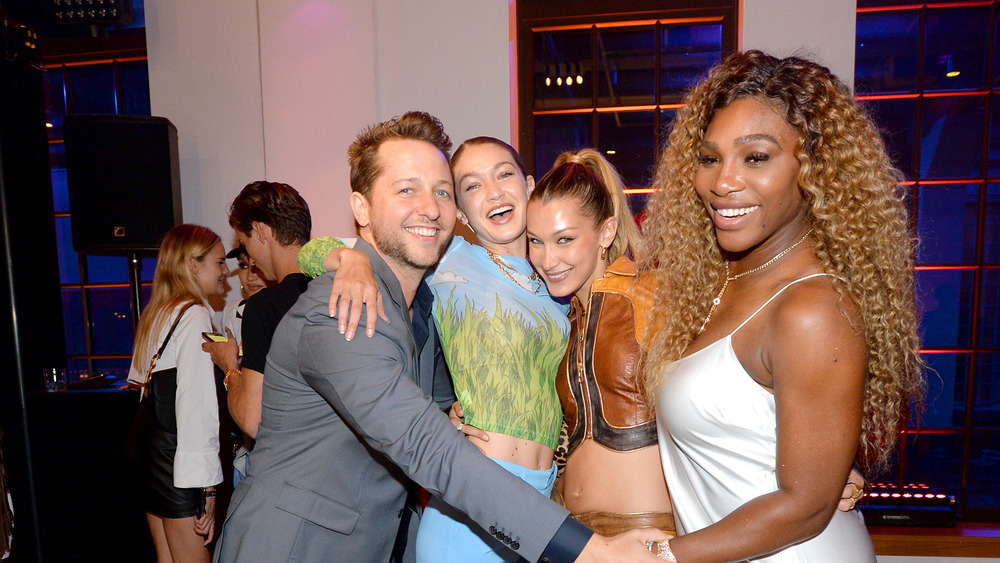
[(157, 442)]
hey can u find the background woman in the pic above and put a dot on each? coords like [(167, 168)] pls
[(502, 336), (251, 282), (787, 333), (180, 458), (580, 232)]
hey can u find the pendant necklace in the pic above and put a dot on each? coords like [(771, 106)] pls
[(725, 284), (509, 271)]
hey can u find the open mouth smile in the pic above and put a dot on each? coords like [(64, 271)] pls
[(736, 212), (500, 213), (429, 232)]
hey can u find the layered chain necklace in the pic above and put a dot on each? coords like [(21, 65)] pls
[(718, 298), (509, 271)]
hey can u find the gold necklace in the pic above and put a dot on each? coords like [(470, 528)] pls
[(725, 284), (509, 271)]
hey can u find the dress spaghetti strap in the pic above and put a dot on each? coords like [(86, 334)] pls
[(766, 303)]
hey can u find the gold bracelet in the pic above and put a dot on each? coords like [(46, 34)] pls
[(225, 380)]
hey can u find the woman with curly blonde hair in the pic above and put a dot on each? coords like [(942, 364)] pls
[(786, 332)]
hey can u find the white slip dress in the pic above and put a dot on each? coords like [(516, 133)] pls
[(718, 434)]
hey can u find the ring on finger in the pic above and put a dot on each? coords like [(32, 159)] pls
[(460, 425)]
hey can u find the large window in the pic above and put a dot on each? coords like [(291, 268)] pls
[(612, 81), (930, 75), (86, 76)]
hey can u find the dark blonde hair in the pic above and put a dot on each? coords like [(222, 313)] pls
[(853, 204), (363, 152), (588, 178), (173, 284)]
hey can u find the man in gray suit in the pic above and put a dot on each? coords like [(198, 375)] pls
[(346, 425)]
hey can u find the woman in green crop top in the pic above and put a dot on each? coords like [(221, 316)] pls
[(503, 337)]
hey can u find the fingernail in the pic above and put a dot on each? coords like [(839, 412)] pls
[(350, 337)]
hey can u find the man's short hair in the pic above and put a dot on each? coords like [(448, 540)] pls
[(363, 153), (276, 205)]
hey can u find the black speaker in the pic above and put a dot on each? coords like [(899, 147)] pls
[(124, 182)]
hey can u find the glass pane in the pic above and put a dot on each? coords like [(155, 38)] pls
[(946, 224), (934, 460), (626, 140), (686, 55), (994, 149), (885, 59), (637, 202), (955, 51), (951, 137), (148, 269), (945, 297), (627, 66), (135, 88), (896, 120), (60, 188), (667, 117), (996, 53), (947, 382), (147, 294), (984, 466), (139, 10), (55, 102), (117, 367), (103, 269), (986, 392), (991, 234), (989, 308), (111, 317), (557, 54), (73, 323), (91, 89), (76, 368), (69, 261), (556, 134)]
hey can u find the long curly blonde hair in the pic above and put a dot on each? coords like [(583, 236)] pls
[(854, 204)]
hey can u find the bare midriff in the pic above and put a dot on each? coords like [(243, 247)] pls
[(597, 479), (523, 452)]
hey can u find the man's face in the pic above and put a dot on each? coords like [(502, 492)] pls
[(411, 208), (257, 250)]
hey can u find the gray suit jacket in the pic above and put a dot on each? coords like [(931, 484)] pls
[(344, 424)]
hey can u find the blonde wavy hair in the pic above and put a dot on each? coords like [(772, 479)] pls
[(173, 284), (854, 204), (586, 176)]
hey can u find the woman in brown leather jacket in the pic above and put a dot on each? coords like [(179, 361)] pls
[(580, 235)]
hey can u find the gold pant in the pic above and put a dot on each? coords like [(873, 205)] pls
[(613, 523)]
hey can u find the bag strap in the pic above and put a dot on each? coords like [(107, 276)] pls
[(156, 356)]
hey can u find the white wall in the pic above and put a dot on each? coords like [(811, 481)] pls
[(821, 30), (277, 89), (898, 559)]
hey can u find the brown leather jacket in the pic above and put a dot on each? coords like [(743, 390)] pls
[(600, 381)]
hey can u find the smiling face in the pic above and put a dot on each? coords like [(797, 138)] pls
[(411, 213), (493, 194), (565, 247), (211, 271), (250, 277), (748, 179)]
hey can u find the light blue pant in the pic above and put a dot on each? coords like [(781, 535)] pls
[(446, 535)]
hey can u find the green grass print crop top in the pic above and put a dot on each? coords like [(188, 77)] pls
[(503, 343)]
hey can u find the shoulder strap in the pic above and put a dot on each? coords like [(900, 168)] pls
[(790, 284), (156, 356)]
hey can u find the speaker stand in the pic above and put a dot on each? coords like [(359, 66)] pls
[(135, 287)]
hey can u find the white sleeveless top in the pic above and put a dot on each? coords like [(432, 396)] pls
[(718, 436)]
